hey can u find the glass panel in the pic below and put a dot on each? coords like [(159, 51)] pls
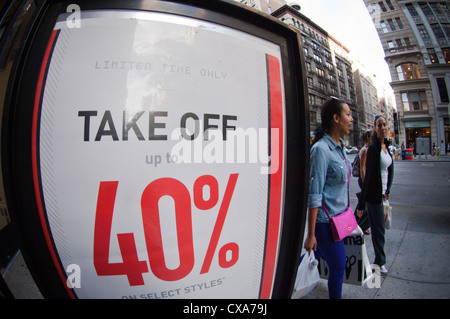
[(405, 102)]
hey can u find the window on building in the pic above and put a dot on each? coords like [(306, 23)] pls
[(391, 24), (310, 81), (408, 71), (312, 99), (332, 78), (436, 8), (419, 100), (407, 41), (382, 6), (391, 44), (312, 117), (445, 8), (399, 23), (389, 3), (329, 66), (423, 32), (426, 9), (443, 92), (322, 86), (411, 9), (320, 72), (315, 46), (399, 42), (384, 27), (446, 28), (446, 52), (405, 102), (437, 31), (349, 77), (317, 58), (432, 55), (414, 101)]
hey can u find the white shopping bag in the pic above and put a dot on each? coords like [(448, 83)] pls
[(387, 214), (358, 269), (307, 276)]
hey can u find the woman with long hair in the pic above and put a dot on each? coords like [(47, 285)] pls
[(328, 188), (363, 221), (377, 187)]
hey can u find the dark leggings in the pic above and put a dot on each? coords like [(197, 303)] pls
[(334, 254), (377, 227)]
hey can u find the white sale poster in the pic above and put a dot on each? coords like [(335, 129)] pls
[(159, 157)]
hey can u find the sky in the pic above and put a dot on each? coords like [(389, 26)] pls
[(349, 22)]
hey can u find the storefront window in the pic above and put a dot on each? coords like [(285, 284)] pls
[(413, 133)]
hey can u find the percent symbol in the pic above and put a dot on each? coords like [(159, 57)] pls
[(200, 203)]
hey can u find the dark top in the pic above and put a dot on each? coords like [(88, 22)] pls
[(372, 188)]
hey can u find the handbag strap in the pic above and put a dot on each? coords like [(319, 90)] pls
[(348, 187)]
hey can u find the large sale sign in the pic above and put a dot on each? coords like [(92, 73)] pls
[(159, 156)]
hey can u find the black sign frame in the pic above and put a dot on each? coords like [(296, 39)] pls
[(18, 117)]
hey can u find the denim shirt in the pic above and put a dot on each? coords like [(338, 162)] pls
[(328, 178)]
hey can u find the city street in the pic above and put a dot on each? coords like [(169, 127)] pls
[(418, 244), (417, 183)]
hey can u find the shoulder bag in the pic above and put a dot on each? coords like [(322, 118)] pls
[(345, 223)]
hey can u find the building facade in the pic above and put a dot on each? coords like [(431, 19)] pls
[(330, 71), (328, 67), (416, 38), (367, 99), (267, 6)]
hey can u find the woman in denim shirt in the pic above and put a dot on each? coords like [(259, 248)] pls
[(328, 185)]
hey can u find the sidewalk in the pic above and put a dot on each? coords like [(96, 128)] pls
[(19, 280), (430, 158), (417, 250)]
